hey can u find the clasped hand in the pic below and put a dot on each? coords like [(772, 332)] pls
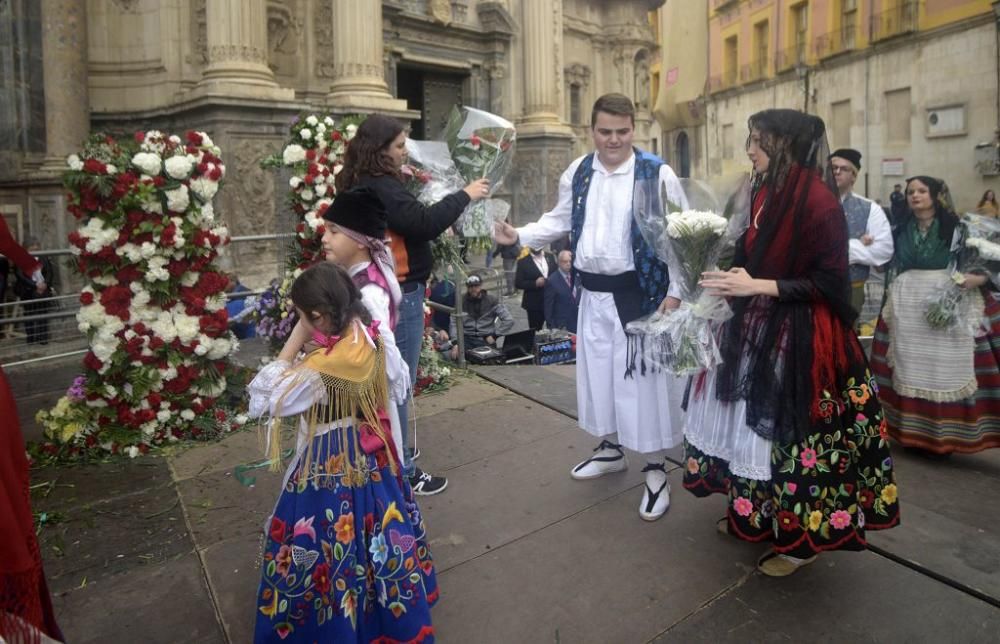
[(735, 282)]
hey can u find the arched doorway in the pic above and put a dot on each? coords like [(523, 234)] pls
[(683, 155)]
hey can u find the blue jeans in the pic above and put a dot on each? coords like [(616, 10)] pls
[(409, 337)]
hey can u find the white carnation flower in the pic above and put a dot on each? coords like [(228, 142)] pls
[(321, 190), (311, 120), (111, 169), (74, 162), (179, 167), (351, 130), (295, 182), (187, 414), (306, 134), (328, 121), (293, 154), (204, 188), (148, 162), (178, 199), (307, 195)]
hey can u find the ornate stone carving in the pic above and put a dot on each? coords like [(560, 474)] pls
[(199, 31), (640, 75), (251, 194), (323, 32), (577, 74), (236, 52), (284, 31), (495, 19), (440, 10)]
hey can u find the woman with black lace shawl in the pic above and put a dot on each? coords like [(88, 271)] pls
[(789, 426)]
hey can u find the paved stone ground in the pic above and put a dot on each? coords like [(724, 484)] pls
[(164, 549)]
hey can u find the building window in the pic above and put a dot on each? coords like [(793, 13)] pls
[(730, 61), (848, 23), (800, 35), (840, 124), (575, 116), (727, 141), (758, 66), (898, 116)]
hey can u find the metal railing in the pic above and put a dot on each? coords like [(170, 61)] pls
[(836, 42), (895, 21), (791, 57)]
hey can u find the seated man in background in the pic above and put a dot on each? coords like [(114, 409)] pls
[(486, 317)]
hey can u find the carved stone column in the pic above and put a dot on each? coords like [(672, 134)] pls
[(237, 52), (542, 30), (544, 141), (64, 70), (358, 66)]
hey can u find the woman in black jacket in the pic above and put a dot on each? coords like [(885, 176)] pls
[(374, 158)]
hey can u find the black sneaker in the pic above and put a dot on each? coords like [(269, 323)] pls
[(425, 484)]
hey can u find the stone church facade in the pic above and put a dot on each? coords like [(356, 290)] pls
[(243, 69)]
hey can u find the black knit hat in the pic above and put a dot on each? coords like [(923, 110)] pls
[(848, 154), (358, 209)]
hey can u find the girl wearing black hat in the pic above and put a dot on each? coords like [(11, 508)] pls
[(374, 159), (939, 384)]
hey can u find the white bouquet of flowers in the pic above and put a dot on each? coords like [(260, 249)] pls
[(980, 250), (691, 241)]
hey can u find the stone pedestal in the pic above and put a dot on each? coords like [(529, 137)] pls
[(539, 163), (358, 69), (237, 53), (64, 68)]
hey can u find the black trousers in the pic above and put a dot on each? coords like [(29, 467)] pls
[(536, 319)]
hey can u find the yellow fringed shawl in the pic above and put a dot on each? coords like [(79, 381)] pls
[(354, 376)]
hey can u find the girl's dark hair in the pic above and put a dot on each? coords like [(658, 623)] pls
[(365, 153), (992, 200), (327, 289)]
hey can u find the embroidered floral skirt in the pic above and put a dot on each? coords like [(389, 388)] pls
[(345, 557), (825, 491)]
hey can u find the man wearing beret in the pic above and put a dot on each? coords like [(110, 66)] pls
[(867, 226)]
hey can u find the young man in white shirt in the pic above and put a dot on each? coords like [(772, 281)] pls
[(619, 280)]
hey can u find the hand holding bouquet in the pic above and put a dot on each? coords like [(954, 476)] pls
[(978, 250), (482, 146), (691, 241)]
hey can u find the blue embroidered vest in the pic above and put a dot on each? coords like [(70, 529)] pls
[(857, 210), (652, 273)]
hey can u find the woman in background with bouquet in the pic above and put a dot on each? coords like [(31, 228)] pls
[(938, 375), (788, 426), (374, 158)]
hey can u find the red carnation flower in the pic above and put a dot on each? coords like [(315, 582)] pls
[(194, 138), (93, 166), (86, 298), (116, 300), (140, 137)]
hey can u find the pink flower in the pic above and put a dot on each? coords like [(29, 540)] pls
[(791, 487), (808, 457), (840, 519), (304, 526), (742, 506)]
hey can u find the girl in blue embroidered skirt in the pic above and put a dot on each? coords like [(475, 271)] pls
[(345, 557)]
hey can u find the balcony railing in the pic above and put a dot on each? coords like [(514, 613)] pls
[(895, 21), (836, 42), (723, 81), (755, 71), (791, 57)]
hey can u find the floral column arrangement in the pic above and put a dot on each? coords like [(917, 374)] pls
[(154, 309), (314, 155)]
